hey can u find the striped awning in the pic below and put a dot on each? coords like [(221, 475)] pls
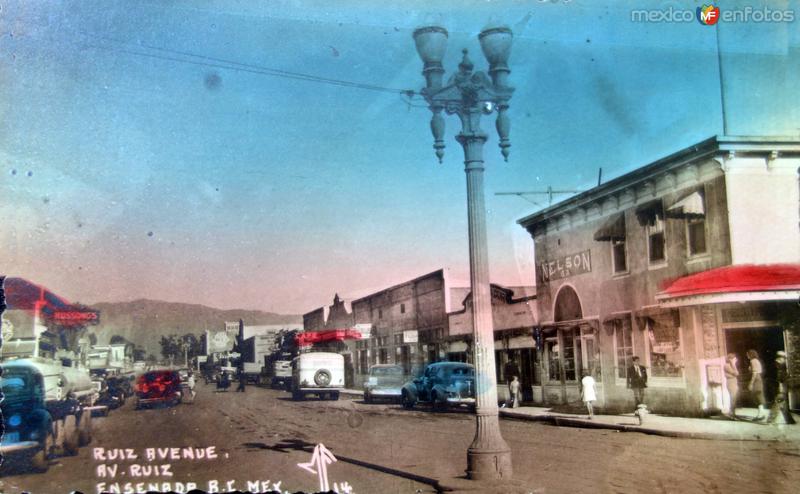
[(691, 206), (612, 229)]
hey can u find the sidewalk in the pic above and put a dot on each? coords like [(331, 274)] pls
[(718, 427)]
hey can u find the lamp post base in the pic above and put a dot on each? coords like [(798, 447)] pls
[(488, 457), (486, 464)]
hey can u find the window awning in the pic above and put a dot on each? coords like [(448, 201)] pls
[(744, 283), (649, 211), (612, 229), (691, 206)]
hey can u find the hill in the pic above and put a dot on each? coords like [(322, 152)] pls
[(144, 322)]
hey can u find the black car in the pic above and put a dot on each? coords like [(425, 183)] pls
[(442, 384), (26, 421)]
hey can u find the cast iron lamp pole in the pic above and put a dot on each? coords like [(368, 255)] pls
[(469, 95)]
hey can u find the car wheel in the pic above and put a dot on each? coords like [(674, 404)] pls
[(71, 436), (41, 459), (408, 403), (322, 377), (85, 428)]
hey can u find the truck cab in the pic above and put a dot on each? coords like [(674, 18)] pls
[(26, 420), (319, 373)]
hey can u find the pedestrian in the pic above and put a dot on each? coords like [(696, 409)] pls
[(637, 380), (588, 393), (242, 379), (781, 402), (513, 391), (732, 381), (756, 383), (224, 381), (191, 382)]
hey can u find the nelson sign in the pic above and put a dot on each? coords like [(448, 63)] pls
[(565, 266)]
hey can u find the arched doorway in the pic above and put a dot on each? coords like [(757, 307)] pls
[(569, 348), (568, 305)]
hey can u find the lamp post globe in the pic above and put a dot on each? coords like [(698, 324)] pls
[(471, 95)]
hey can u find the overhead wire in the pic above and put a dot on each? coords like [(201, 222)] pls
[(209, 61)]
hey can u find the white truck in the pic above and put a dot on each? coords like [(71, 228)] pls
[(318, 373), (48, 410)]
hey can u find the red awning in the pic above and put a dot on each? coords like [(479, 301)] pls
[(310, 337), (765, 282)]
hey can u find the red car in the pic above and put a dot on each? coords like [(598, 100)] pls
[(162, 386)]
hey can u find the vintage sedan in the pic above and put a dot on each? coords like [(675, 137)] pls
[(384, 382), (442, 384), (158, 387)]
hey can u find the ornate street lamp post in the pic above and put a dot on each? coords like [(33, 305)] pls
[(470, 95)]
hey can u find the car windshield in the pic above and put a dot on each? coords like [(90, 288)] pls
[(462, 372), (14, 385), (387, 371)]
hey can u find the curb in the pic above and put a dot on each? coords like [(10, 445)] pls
[(585, 424), (564, 421)]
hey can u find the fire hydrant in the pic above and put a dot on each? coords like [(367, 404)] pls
[(641, 412)]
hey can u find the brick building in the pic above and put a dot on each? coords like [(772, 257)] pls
[(678, 262)]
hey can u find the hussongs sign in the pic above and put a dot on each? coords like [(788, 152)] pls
[(565, 266)]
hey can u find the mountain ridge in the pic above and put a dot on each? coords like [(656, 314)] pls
[(144, 321)]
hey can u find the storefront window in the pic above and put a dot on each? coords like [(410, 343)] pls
[(623, 340), (696, 234), (619, 256), (591, 357), (553, 359), (569, 355), (664, 342)]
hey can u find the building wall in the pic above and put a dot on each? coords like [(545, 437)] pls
[(338, 315), (417, 304), (602, 292), (507, 313), (759, 189), (314, 320)]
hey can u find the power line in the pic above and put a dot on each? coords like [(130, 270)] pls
[(208, 61)]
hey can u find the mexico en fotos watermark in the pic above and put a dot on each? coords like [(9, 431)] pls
[(710, 15)]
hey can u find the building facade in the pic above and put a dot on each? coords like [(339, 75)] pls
[(408, 321), (658, 264), (427, 320), (514, 321)]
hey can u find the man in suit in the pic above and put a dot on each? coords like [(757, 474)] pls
[(637, 380)]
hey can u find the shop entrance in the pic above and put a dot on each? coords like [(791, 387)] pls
[(766, 341)]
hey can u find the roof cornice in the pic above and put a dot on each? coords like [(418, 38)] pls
[(707, 148)]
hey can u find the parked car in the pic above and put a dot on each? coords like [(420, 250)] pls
[(384, 381), (282, 374), (115, 392), (162, 386), (104, 397), (442, 384), (26, 420), (319, 373)]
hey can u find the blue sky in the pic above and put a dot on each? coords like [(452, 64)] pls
[(125, 175)]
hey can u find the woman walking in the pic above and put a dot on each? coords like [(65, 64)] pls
[(756, 384), (588, 393)]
